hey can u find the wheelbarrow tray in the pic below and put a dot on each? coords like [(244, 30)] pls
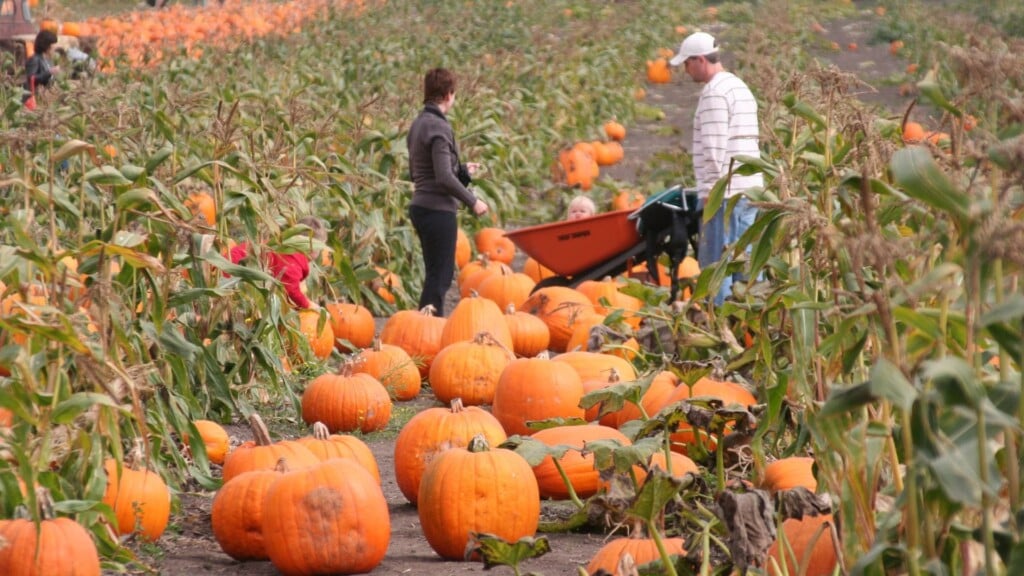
[(570, 247)]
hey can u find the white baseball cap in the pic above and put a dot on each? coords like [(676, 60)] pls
[(696, 44)]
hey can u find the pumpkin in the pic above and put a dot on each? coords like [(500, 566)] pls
[(469, 370), (913, 133), (595, 365), (476, 489), (506, 287), (418, 332), (71, 29), (730, 393), (536, 389), (393, 367), (614, 130), (591, 385), (472, 316), (236, 514), (435, 430), (660, 390), (325, 446), (530, 335), (578, 167), (481, 263), (809, 548), (202, 205), (493, 243), (320, 336), (628, 200), (463, 249), (658, 71), (351, 323), (346, 402), (215, 438), (600, 292), (6, 416), (535, 270), (385, 283), (56, 546), (578, 467), (642, 550), (608, 153), (263, 454), (139, 498), (329, 519), (788, 473), (477, 276), (559, 307), (579, 338)]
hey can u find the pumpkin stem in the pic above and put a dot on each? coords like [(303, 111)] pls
[(376, 343), (347, 368), (544, 355), (478, 444), (456, 405), (428, 310), (259, 430), (320, 431), (613, 376), (510, 309), (282, 465), (484, 337)]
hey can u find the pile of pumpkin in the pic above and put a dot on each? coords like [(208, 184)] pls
[(141, 37), (580, 163)]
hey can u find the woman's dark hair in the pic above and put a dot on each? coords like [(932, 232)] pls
[(437, 85), (44, 40)]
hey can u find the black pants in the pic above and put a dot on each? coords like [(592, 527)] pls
[(438, 232)]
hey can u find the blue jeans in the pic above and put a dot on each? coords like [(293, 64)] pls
[(717, 233)]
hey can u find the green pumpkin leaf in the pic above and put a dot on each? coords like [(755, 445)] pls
[(495, 551), (914, 170), (106, 176), (69, 409)]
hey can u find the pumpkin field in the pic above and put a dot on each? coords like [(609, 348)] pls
[(855, 409)]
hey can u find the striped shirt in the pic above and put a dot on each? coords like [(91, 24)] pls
[(724, 126)]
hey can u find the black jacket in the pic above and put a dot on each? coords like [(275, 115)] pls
[(38, 67), (434, 163)]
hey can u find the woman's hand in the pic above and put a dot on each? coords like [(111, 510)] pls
[(474, 167), (480, 208)]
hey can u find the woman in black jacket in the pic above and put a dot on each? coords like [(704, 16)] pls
[(40, 65), (439, 185)]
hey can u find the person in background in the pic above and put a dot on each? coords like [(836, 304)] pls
[(440, 183), (290, 269), (580, 207), (725, 125), (39, 68)]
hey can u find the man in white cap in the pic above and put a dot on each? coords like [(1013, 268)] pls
[(724, 126)]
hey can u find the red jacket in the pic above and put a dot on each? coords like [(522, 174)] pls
[(290, 269)]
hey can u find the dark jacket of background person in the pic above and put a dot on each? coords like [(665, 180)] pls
[(434, 163)]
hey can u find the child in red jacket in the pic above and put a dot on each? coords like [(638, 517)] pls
[(289, 269)]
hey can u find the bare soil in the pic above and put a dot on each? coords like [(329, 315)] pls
[(189, 547)]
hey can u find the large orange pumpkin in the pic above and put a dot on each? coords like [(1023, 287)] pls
[(352, 323), (506, 288), (536, 389), (393, 367), (418, 332), (535, 270), (329, 519), (463, 249), (660, 390), (597, 365), (476, 490), (578, 467), (346, 402), (140, 500), (643, 551), (809, 551), (469, 370), (472, 316), (320, 337), (559, 307), (578, 167), (202, 204), (495, 245), (730, 393), (614, 130), (236, 515), (658, 71), (264, 454), (788, 473), (55, 546), (628, 200), (326, 446), (435, 430), (215, 438), (530, 335)]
